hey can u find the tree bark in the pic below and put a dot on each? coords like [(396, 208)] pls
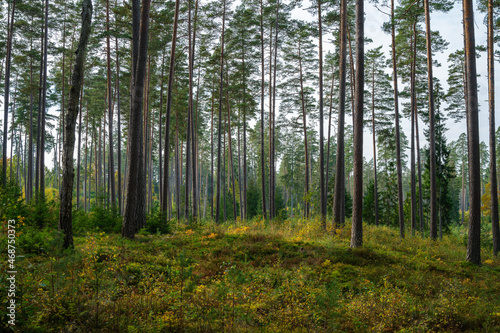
[(357, 209), (338, 199), (135, 213), (262, 153), (473, 244), (111, 162), (304, 128), (375, 184), (493, 161), (432, 126), (3, 177), (398, 143), (322, 186), (65, 217), (166, 157), (219, 129)]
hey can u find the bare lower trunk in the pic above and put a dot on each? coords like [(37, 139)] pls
[(65, 218)]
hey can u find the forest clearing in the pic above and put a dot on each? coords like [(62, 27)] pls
[(255, 165), (286, 276)]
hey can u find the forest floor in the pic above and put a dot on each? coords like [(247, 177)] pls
[(254, 277)]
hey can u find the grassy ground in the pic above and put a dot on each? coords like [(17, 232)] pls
[(252, 277)]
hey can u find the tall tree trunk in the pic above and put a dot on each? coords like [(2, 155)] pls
[(212, 160), (39, 123), (304, 128), (65, 217), (493, 159), (166, 157), (272, 161), (375, 184), (327, 178), (79, 149), (193, 138), (134, 217), (3, 177), (357, 209), (110, 112), (85, 183), (230, 152), (118, 125), (473, 244), (29, 192), (338, 199), (419, 171), (219, 129), (322, 185), (398, 141), (262, 154), (41, 160), (432, 126), (413, 115), (160, 167), (189, 117)]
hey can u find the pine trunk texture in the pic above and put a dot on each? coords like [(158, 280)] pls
[(65, 217), (474, 239)]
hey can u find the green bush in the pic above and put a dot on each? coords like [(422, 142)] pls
[(107, 220), (157, 223)]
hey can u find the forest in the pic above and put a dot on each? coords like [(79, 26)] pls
[(253, 165)]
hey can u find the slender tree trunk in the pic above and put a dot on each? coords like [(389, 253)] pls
[(327, 178), (462, 194), (41, 160), (189, 118), (396, 110), (413, 115), (212, 160), (225, 185), (375, 184), (39, 124), (432, 126), (79, 149), (3, 177), (177, 172), (262, 154), (338, 199), (29, 192), (473, 244), (219, 130), (244, 210), (166, 157), (230, 152), (357, 209), (160, 167), (110, 113), (493, 159), (193, 139), (134, 217), (322, 185), (86, 153), (304, 128), (272, 162), (118, 127), (419, 171), (65, 213)]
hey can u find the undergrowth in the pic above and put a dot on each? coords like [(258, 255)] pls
[(257, 276)]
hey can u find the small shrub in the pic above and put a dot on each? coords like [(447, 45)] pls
[(156, 222), (107, 220)]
